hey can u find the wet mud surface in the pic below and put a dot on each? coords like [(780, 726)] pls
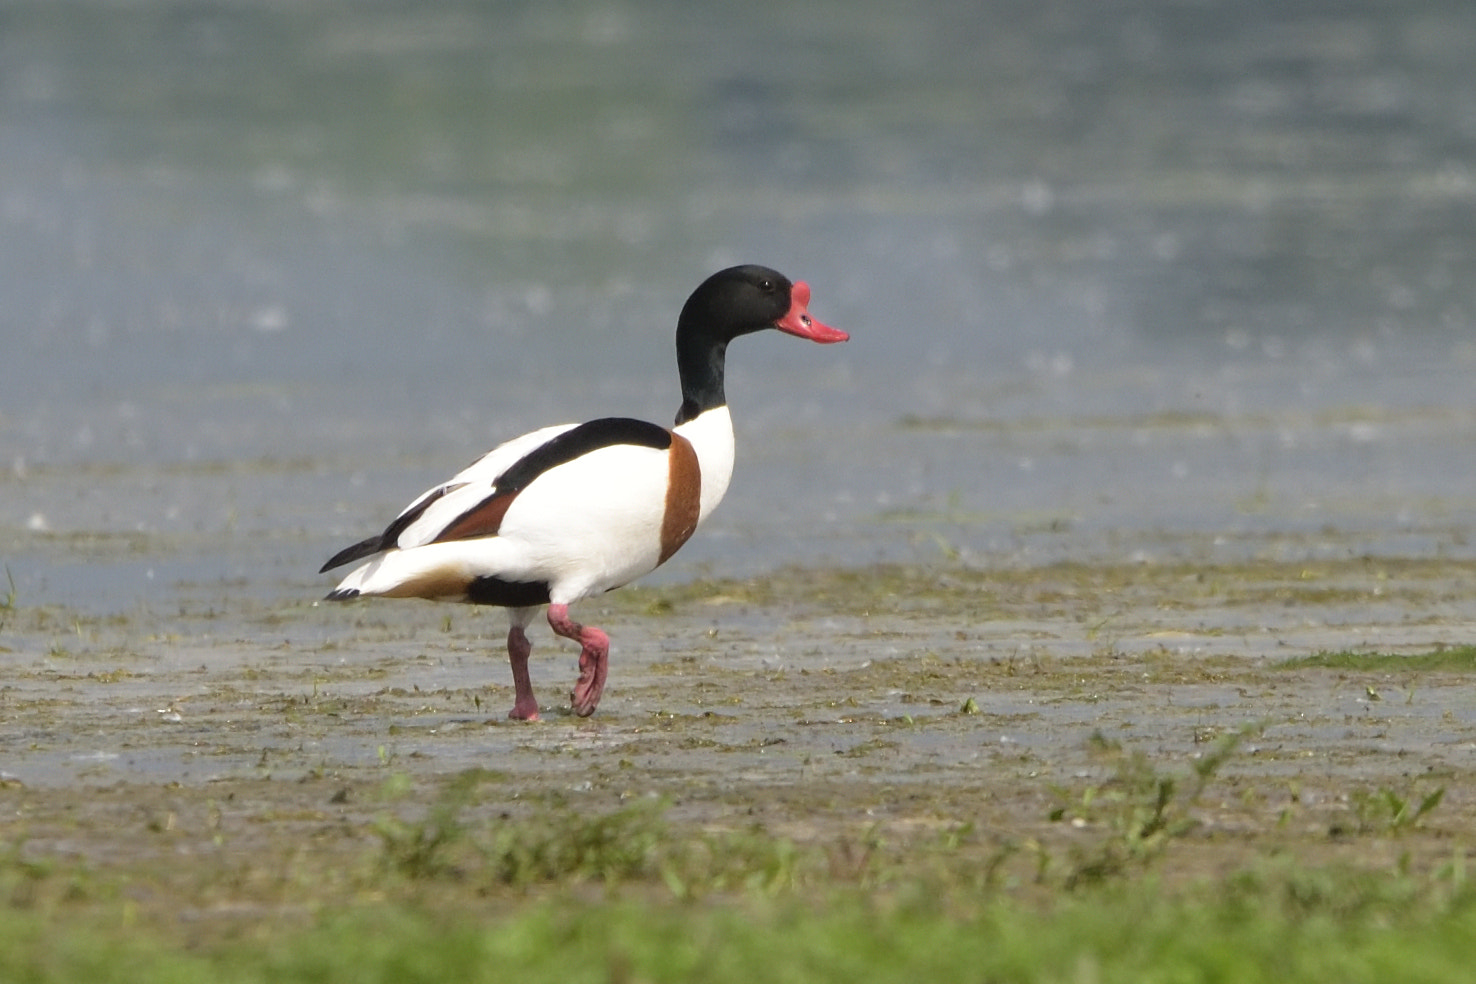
[(810, 703)]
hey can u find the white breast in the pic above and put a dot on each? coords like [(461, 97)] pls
[(711, 435)]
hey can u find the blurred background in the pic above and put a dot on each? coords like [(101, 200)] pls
[(1157, 279)]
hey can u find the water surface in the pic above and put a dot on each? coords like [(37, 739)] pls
[(1123, 280)]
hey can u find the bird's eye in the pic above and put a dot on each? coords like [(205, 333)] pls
[(766, 285)]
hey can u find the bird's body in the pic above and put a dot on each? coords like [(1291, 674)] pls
[(570, 529), (574, 510)]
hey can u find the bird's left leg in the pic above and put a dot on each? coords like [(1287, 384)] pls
[(594, 658)]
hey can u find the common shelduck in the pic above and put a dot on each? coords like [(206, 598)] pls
[(575, 510)]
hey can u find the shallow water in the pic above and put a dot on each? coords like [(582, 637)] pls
[(1123, 280)]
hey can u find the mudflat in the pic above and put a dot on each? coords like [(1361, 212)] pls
[(222, 748)]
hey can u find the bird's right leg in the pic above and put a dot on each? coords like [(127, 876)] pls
[(594, 658)]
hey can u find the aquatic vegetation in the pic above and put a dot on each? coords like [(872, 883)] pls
[(1453, 659)]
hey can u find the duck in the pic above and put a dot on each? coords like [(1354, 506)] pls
[(571, 511)]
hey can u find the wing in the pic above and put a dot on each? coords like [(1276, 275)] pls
[(434, 508), (473, 503)]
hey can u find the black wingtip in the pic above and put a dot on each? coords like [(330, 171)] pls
[(364, 548), (342, 594)]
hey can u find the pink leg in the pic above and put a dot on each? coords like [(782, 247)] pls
[(594, 659), (525, 708)]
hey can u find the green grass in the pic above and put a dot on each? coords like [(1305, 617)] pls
[(457, 893), (1455, 659), (1141, 808), (1281, 925)]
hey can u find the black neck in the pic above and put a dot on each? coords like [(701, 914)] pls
[(700, 363), (730, 303)]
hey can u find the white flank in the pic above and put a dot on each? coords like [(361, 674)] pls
[(591, 524)]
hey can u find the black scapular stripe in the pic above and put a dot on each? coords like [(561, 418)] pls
[(589, 436), (574, 442)]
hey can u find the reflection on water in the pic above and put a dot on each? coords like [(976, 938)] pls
[(352, 243)]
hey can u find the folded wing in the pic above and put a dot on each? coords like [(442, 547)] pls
[(475, 501)]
